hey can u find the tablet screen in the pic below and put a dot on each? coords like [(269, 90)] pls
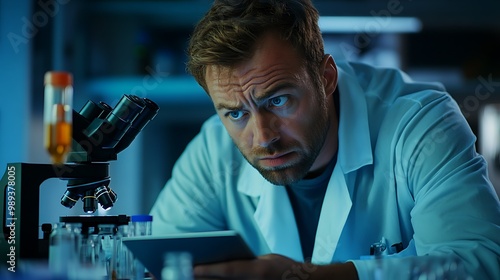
[(204, 247)]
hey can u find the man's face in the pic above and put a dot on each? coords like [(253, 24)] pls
[(273, 112)]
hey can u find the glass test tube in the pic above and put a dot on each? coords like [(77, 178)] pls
[(57, 118)]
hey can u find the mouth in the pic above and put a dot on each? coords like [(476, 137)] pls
[(276, 160)]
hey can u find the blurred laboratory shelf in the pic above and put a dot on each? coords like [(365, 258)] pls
[(163, 89)]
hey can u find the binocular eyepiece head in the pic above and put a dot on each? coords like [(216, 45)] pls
[(115, 128), (101, 132)]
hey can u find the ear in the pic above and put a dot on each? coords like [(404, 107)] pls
[(330, 74)]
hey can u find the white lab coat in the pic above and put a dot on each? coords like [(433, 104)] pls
[(407, 172)]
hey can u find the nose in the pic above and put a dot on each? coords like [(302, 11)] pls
[(266, 129)]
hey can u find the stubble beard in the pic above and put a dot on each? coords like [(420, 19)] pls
[(294, 171)]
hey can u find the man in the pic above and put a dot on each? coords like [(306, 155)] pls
[(316, 163)]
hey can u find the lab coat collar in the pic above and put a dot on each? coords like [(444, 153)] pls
[(353, 153), (251, 181), (334, 212), (276, 221), (274, 213), (355, 148)]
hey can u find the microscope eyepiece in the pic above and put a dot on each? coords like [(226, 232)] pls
[(106, 109), (92, 111), (127, 109), (149, 112), (119, 120)]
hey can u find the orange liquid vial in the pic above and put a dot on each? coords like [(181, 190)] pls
[(58, 115), (58, 141)]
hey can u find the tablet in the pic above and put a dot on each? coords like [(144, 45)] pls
[(205, 247)]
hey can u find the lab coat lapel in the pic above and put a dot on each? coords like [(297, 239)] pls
[(354, 131), (354, 152), (273, 215), (276, 220), (334, 213)]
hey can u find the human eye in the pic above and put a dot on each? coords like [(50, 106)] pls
[(278, 101), (235, 115)]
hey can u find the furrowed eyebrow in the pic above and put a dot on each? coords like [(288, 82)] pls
[(266, 95), (258, 99), (228, 107)]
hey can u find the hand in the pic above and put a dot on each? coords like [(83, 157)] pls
[(264, 267)]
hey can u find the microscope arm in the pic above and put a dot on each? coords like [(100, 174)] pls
[(21, 204)]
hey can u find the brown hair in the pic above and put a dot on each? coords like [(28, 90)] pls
[(226, 35)]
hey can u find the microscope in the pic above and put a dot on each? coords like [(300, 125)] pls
[(100, 132)]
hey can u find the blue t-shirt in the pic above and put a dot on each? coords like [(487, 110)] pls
[(306, 197)]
